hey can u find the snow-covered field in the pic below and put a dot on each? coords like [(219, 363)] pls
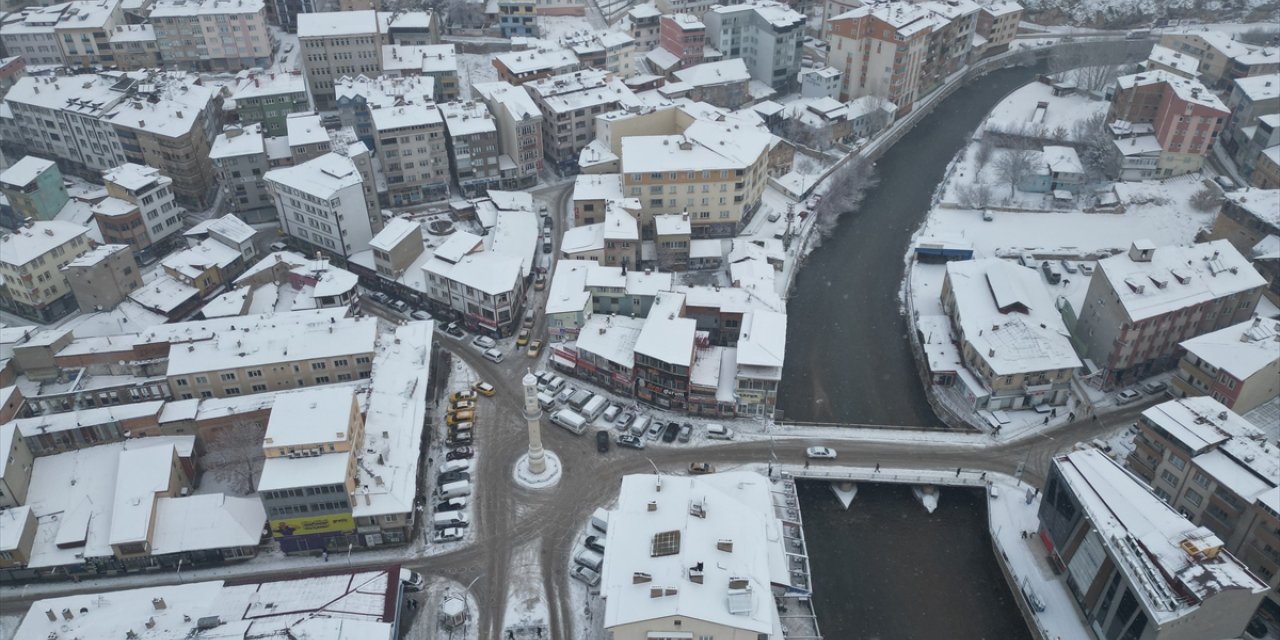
[(1140, 12)]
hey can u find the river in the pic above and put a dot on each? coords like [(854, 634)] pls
[(848, 359)]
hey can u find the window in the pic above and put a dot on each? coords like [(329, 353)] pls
[(181, 382), (202, 380), (1193, 497), (1201, 479), (228, 377), (232, 391), (1169, 478), (259, 388), (322, 379), (316, 366), (1178, 462), (340, 362), (254, 373)]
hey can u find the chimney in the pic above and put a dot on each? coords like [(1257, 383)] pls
[(159, 604), (695, 573), (67, 615), (724, 544), (53, 617)]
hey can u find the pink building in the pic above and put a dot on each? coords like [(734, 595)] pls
[(1186, 116), (683, 36)]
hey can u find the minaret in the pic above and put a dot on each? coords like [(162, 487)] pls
[(533, 415)]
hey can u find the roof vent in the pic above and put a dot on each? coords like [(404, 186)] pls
[(640, 577), (159, 604), (695, 573), (653, 505), (724, 544)]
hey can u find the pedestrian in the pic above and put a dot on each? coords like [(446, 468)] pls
[(957, 472), (430, 461), (325, 555), (1046, 420), (1054, 413), (984, 476), (877, 467), (1037, 491), (1024, 534), (1071, 416), (1095, 417), (806, 464)]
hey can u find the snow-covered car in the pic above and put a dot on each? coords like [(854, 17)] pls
[(454, 330), (686, 432), (484, 342), (523, 338), (585, 574), (461, 453), (1127, 396), (465, 394), (484, 388), (624, 420), (820, 452), (1086, 268), (595, 543), (462, 405), (447, 535), (535, 347), (419, 314), (1153, 388), (655, 430), (412, 580), (700, 468), (630, 441)]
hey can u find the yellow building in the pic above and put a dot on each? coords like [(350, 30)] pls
[(31, 260)]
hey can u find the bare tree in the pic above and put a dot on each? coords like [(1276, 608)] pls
[(803, 134), (1260, 36), (1206, 199), (1013, 166), (1090, 67), (974, 196), (233, 455), (464, 14), (983, 155), (849, 185), (1096, 148)]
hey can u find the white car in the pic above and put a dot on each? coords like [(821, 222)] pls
[(1127, 396), (484, 342), (447, 535), (820, 452), (585, 574), (412, 580)]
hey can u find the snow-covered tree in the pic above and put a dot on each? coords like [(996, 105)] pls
[(974, 196), (1013, 166), (1096, 148), (233, 455), (849, 185)]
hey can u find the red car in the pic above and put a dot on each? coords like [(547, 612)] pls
[(460, 453)]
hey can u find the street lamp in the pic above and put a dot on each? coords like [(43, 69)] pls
[(180, 569), (466, 599), (349, 545)]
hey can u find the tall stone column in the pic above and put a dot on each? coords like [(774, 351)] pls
[(533, 415)]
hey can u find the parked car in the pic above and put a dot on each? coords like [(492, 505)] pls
[(454, 417), (454, 330), (630, 441), (1051, 272), (624, 420), (610, 413), (452, 504), (484, 388), (564, 394), (595, 543), (1127, 396), (484, 342), (669, 434), (278, 246), (458, 438), (399, 305), (1086, 269), (522, 338), (700, 468), (686, 432), (820, 452), (1152, 388), (453, 476), (462, 405), (655, 430), (465, 394), (461, 453), (492, 355), (1069, 266), (548, 222), (535, 347), (412, 580), (539, 282), (602, 442), (585, 574), (447, 535), (546, 247)]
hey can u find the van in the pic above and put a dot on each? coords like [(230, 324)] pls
[(493, 355), (446, 519), (640, 425), (453, 490), (600, 520), (588, 558), (546, 402), (719, 432), (455, 465), (569, 420), (580, 398), (594, 407), (556, 384)]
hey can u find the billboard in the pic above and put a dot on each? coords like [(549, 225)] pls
[(332, 523)]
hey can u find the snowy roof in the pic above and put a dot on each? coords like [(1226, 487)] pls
[(515, 99), (172, 106), (427, 58), (1177, 277), (207, 521), (515, 233), (582, 239), (668, 337), (394, 232), (763, 341), (1001, 7), (620, 224), (171, 8), (568, 290), (1186, 65), (641, 11), (714, 73), (386, 91), (141, 474), (1186, 89), (24, 171), (97, 254), (289, 473), (580, 90), (704, 146), (1008, 317), (28, 243), (603, 186), (194, 261), (491, 273), (671, 224), (686, 21), (776, 14), (267, 345), (1199, 423), (611, 337), (322, 177), (388, 469), (228, 226), (1145, 535), (1137, 145), (694, 519), (13, 522), (328, 24), (135, 177), (458, 246), (235, 143), (907, 18), (1264, 204), (662, 59), (595, 153), (163, 294), (1060, 159), (315, 416), (112, 207), (255, 85), (535, 60), (409, 115), (1241, 350), (467, 118), (305, 128)]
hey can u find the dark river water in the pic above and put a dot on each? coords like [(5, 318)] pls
[(886, 569), (848, 359)]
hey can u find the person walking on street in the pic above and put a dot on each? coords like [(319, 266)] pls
[(877, 467), (957, 472), (806, 464)]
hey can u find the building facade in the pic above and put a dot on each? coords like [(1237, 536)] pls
[(103, 277), (31, 260)]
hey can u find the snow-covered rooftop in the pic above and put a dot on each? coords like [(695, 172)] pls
[(1186, 89), (1177, 277), (710, 74), (314, 416), (515, 99), (28, 243), (762, 345), (580, 90), (467, 118), (671, 224), (141, 474), (329, 24), (305, 128), (775, 13), (135, 177), (236, 142), (515, 233), (428, 58), (489, 272), (269, 344), (1263, 204), (228, 226), (394, 232), (668, 337), (1241, 350), (1185, 65), (194, 261), (568, 290), (322, 177), (536, 60), (409, 115), (169, 104), (603, 186), (386, 91), (611, 337), (24, 171)]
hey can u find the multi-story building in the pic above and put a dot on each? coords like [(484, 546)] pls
[(527, 65), (317, 352), (45, 108), (881, 50), (240, 161), (337, 44), (438, 61), (212, 35), (767, 35), (1136, 567), (761, 351), (642, 23), (322, 203), (268, 99), (996, 28), (32, 37), (1238, 366), (715, 172), (1219, 471), (519, 126), (134, 47), (73, 34), (34, 188), (1186, 116), (955, 24), (1011, 335), (485, 290), (358, 96), (12, 69), (413, 28), (1251, 100), (139, 210), (610, 50), (518, 18), (614, 241), (664, 354), (724, 83), (31, 260), (473, 146), (1266, 170), (682, 42), (569, 104), (103, 277), (1221, 57), (410, 140), (1142, 304)]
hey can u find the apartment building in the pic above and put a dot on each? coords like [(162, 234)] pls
[(318, 352), (881, 50), (411, 141), (103, 277), (337, 44), (997, 25), (724, 83), (169, 125), (413, 28), (682, 42), (134, 47), (34, 188), (438, 61), (518, 18), (31, 260), (527, 65), (1250, 101), (569, 104), (140, 210), (1221, 57), (268, 99), (1186, 117), (1142, 304), (1137, 568), (643, 26), (664, 354), (484, 290), (212, 35), (715, 172), (610, 50), (322, 203), (519, 126), (358, 96), (1238, 366), (473, 146), (768, 36), (45, 108), (72, 34), (240, 161), (614, 241), (1218, 471)]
